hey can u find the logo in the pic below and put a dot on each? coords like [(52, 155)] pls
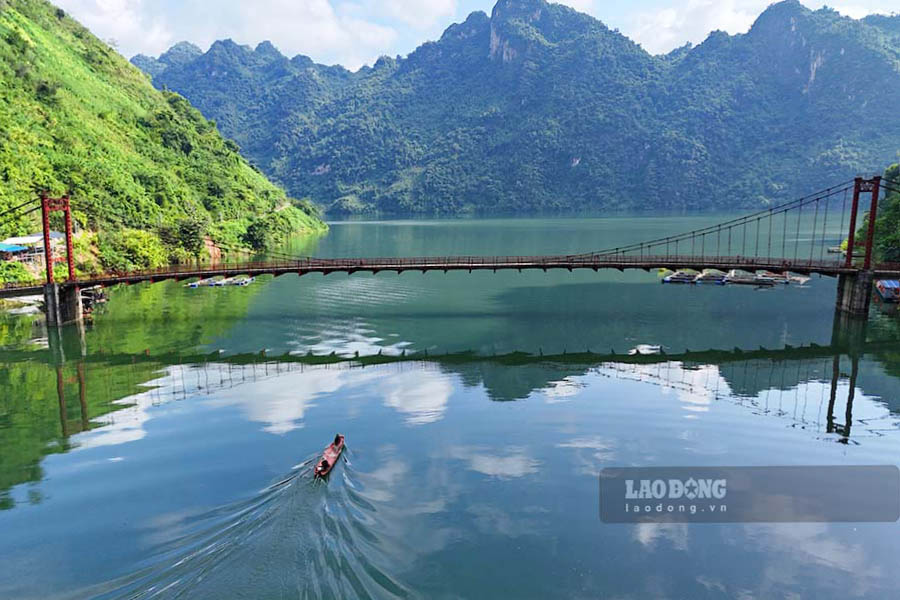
[(781, 494), (675, 489)]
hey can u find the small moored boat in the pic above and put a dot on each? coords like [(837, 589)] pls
[(710, 276), (201, 283), (738, 277), (329, 457), (645, 350), (680, 277), (888, 290), (783, 278)]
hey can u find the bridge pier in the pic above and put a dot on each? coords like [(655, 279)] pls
[(62, 304), (848, 333), (854, 293)]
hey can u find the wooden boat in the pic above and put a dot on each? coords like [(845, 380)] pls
[(888, 290), (329, 457)]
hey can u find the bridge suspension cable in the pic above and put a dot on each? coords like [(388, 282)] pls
[(14, 209), (724, 233)]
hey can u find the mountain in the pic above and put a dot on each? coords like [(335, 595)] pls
[(539, 107), (149, 175), (178, 55), (250, 92)]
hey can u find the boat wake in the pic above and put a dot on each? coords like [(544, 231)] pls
[(297, 538)]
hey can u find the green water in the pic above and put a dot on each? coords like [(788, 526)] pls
[(165, 451)]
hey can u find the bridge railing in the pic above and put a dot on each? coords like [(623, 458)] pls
[(454, 263), (21, 286), (608, 260)]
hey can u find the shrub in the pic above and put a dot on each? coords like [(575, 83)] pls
[(131, 249), (13, 272), (185, 235)]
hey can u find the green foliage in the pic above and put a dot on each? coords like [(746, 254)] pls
[(186, 234), (269, 230), (887, 225), (538, 107), (13, 272), (87, 258), (130, 250), (75, 116)]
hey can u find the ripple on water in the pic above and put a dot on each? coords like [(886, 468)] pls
[(297, 538)]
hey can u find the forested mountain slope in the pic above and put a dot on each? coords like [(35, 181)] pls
[(149, 175), (540, 107)]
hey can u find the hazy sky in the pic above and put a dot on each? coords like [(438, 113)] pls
[(355, 32)]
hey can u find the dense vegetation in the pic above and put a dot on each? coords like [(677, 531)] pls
[(539, 107), (887, 225), (150, 177)]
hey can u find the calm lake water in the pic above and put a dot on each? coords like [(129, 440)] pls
[(166, 450)]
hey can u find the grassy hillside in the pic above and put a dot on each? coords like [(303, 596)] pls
[(146, 171)]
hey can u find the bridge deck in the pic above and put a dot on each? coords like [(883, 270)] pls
[(461, 263)]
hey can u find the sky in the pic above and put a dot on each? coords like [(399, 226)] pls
[(357, 32)]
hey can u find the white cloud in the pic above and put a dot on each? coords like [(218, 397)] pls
[(417, 13), (286, 398), (585, 6), (420, 395), (119, 20), (677, 22), (356, 32), (563, 390), (312, 27), (670, 27), (649, 534), (489, 461)]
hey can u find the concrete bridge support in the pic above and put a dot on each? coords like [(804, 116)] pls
[(848, 333), (855, 293), (62, 304)]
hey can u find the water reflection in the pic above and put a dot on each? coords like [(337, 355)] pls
[(112, 395), (163, 450), (430, 460)]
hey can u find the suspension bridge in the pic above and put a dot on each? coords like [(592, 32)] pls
[(795, 237)]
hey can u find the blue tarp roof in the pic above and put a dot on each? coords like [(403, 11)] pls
[(890, 283), (11, 248)]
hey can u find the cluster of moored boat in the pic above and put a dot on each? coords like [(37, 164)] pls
[(240, 281), (734, 277)]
